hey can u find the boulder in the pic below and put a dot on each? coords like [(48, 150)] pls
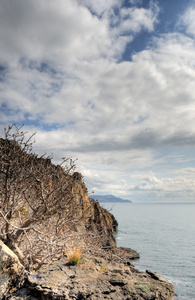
[(11, 270), (156, 276)]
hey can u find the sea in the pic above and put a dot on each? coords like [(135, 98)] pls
[(164, 236)]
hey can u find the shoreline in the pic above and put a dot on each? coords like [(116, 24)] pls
[(95, 278)]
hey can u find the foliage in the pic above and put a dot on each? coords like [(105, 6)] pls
[(39, 213)]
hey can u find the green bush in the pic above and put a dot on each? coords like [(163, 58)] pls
[(143, 287), (146, 288)]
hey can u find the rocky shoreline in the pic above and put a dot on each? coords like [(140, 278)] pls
[(108, 274), (95, 277)]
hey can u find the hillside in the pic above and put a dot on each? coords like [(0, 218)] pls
[(110, 198), (45, 209), (55, 241)]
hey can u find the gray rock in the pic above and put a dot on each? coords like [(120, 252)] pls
[(118, 282), (9, 268), (156, 276)]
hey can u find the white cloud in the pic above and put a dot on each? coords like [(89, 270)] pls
[(99, 7), (146, 188), (181, 186), (57, 33), (62, 32), (135, 2), (126, 116), (188, 20), (135, 19), (54, 52)]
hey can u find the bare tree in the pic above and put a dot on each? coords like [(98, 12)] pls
[(39, 211)]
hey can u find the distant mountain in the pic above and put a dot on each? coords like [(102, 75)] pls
[(110, 198)]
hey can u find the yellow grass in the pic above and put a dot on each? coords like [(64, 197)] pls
[(74, 256)]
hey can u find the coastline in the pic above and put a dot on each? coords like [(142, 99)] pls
[(95, 277)]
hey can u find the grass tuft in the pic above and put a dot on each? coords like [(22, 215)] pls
[(74, 256)]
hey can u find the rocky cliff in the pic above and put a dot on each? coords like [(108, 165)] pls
[(96, 218), (95, 278), (45, 211)]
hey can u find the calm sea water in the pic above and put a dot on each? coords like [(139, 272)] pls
[(164, 236)]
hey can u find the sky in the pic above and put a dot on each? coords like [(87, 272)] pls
[(110, 83)]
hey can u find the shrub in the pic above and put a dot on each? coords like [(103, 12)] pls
[(146, 288), (39, 211), (74, 256), (143, 287)]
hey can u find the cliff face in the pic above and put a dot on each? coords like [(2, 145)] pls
[(97, 219), (49, 200)]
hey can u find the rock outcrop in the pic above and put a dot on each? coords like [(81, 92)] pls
[(97, 219), (94, 279)]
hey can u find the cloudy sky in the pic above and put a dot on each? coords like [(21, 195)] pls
[(109, 82)]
